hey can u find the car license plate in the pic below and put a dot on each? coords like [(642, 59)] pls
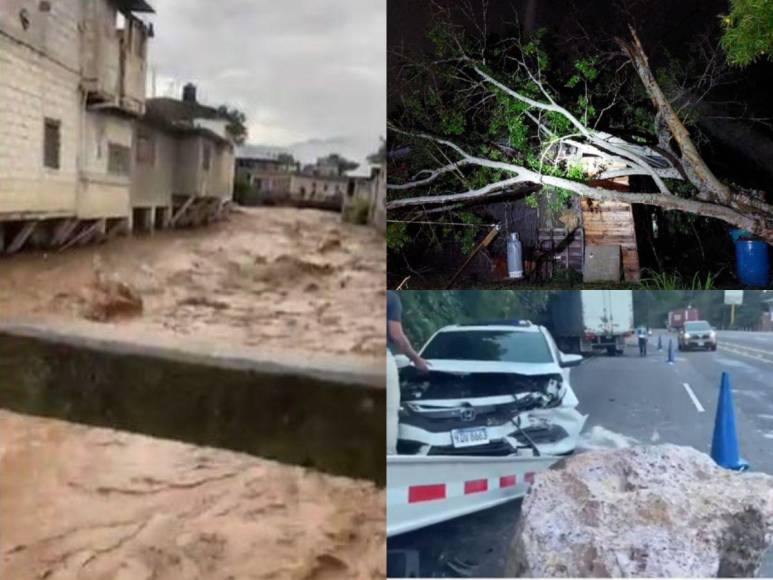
[(700, 343), (469, 437)]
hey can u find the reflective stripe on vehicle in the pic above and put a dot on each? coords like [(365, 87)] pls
[(441, 491)]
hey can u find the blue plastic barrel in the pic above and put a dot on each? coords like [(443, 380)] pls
[(751, 262)]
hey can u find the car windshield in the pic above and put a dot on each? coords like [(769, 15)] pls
[(489, 345), (696, 326)]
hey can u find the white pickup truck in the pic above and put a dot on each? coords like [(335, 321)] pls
[(496, 407)]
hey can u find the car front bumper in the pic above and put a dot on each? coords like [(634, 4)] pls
[(560, 430), (699, 343)]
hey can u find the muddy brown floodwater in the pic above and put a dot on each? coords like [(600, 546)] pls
[(268, 278), (90, 503)]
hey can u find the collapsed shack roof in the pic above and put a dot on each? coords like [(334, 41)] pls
[(180, 117), (657, 159), (134, 6)]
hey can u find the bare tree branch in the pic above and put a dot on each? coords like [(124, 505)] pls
[(433, 175), (613, 156), (709, 187)]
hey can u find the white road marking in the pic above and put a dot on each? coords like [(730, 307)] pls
[(695, 400), (743, 346), (739, 352)]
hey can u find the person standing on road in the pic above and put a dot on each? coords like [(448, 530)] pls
[(397, 343), (642, 332)]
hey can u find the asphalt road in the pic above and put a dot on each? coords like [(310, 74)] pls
[(654, 402), (641, 398)]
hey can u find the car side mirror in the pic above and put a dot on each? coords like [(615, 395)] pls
[(570, 360)]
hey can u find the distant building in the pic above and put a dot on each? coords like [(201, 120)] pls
[(183, 158), (276, 180), (263, 173), (75, 122), (369, 197)]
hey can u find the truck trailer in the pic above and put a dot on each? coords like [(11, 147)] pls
[(589, 321), (677, 318)]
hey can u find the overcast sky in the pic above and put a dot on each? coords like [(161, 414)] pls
[(302, 70)]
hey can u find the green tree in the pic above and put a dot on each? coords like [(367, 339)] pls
[(237, 123), (748, 31), (426, 311), (652, 307)]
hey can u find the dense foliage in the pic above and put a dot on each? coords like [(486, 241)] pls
[(237, 123), (424, 312), (748, 32), (489, 122), (651, 308)]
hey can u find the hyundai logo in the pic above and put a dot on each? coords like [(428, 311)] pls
[(467, 415)]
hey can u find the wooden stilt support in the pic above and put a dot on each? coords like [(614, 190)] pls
[(167, 219), (99, 236), (183, 209), (85, 234), (63, 231), (24, 233), (483, 244)]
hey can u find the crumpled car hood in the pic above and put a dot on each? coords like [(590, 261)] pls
[(468, 366)]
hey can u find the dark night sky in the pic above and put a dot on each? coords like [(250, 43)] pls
[(660, 23), (663, 25)]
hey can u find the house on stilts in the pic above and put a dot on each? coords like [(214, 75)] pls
[(84, 155)]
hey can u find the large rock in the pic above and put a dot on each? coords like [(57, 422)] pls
[(658, 511)]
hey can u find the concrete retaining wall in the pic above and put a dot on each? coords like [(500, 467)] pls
[(318, 416)]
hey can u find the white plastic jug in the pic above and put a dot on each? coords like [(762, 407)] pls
[(514, 257)]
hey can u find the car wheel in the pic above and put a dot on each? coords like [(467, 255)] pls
[(714, 347)]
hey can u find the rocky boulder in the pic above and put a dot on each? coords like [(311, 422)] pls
[(656, 511)]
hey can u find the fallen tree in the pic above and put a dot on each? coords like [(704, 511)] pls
[(553, 146)]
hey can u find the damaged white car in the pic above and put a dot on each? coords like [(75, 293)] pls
[(493, 389)]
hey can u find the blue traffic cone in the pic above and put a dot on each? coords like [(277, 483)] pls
[(670, 359), (660, 342), (724, 444)]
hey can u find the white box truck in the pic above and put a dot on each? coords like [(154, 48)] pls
[(588, 321)]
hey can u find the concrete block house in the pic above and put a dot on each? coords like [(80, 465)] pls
[(73, 154), (273, 180), (183, 163)]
